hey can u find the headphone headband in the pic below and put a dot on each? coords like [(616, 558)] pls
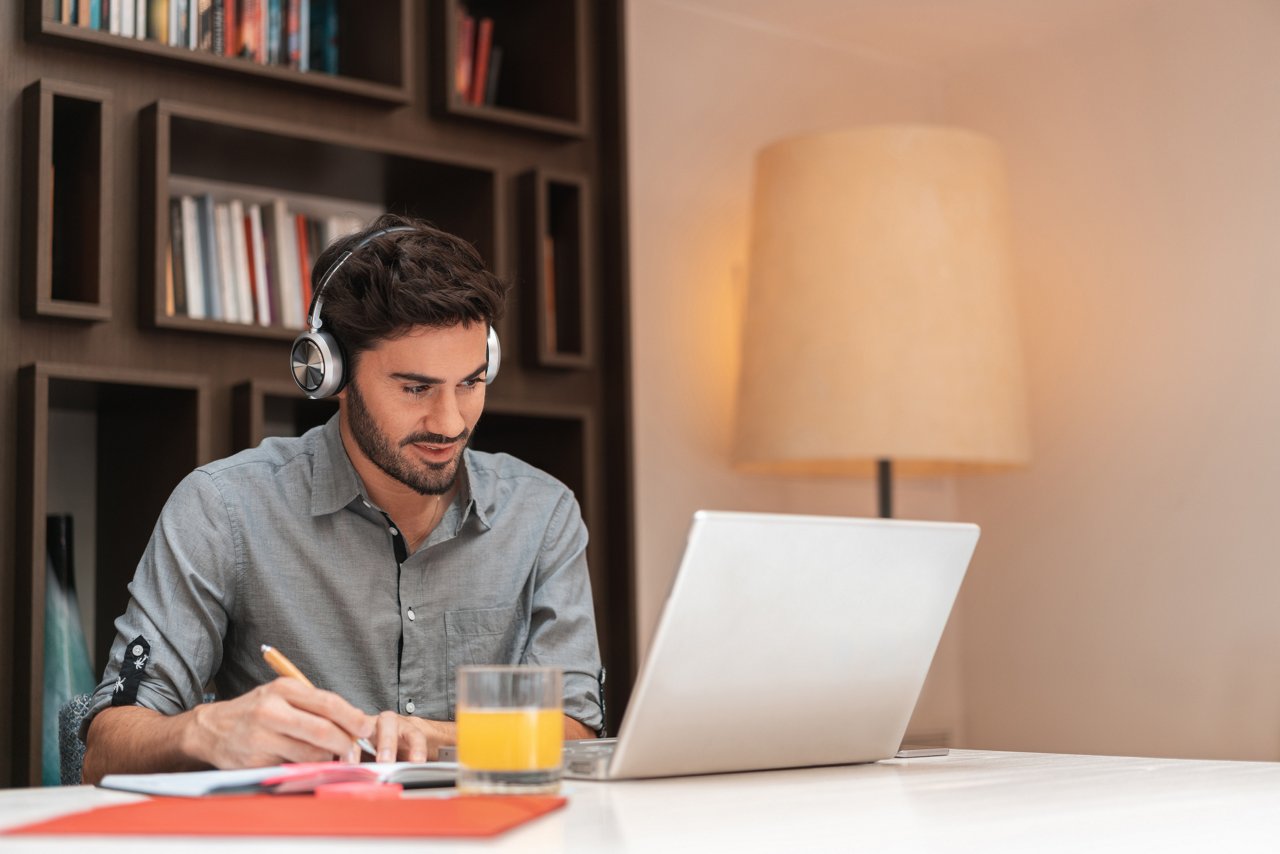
[(313, 313)]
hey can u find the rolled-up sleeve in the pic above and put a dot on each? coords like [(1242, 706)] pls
[(168, 642), (562, 630)]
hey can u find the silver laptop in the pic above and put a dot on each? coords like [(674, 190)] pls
[(786, 641)]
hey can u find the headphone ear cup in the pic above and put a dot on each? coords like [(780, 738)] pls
[(493, 350), (318, 365)]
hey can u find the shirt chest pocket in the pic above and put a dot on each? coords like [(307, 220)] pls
[(479, 636)]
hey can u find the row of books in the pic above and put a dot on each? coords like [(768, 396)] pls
[(301, 34), (242, 262), (479, 61)]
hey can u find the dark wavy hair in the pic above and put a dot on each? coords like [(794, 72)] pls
[(403, 280)]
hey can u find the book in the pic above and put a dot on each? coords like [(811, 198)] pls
[(324, 36), (192, 266), (264, 303), (211, 275), (240, 261), (480, 70), (304, 262), (282, 262), (226, 270), (140, 21), (158, 20), (466, 51), (283, 779), (177, 270), (495, 68)]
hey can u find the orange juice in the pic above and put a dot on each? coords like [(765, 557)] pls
[(525, 739)]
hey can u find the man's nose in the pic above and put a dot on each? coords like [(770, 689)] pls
[(445, 418)]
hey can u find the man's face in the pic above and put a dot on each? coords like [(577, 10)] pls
[(412, 402)]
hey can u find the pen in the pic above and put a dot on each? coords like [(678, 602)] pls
[(285, 667)]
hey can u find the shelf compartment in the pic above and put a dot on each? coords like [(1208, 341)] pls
[(541, 77), (186, 147), (373, 50), (263, 408), (149, 435), (556, 298), (66, 186)]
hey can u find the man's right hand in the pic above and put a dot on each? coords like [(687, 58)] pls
[(282, 721)]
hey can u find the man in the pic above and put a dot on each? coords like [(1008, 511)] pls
[(377, 552)]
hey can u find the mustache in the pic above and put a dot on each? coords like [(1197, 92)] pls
[(435, 438)]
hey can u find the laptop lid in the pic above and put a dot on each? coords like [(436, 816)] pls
[(791, 641)]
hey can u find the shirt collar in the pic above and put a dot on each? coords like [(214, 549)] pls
[(335, 483)]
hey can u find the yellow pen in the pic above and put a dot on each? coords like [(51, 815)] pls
[(284, 667)]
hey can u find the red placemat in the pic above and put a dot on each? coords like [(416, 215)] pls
[(301, 815)]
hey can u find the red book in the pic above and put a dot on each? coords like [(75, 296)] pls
[(480, 74), (231, 28), (304, 262), (466, 52), (253, 270)]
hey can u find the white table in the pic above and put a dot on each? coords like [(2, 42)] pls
[(968, 801)]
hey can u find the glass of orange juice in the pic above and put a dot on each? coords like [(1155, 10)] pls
[(510, 729)]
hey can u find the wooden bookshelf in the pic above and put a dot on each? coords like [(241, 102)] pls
[(141, 415), (541, 82), (555, 268), (458, 194), (112, 128), (374, 51), (263, 408), (65, 253)]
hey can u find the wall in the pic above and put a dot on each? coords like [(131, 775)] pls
[(706, 91), (1125, 602)]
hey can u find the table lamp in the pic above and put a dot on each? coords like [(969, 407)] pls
[(880, 330)]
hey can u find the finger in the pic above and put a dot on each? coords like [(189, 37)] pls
[(387, 737), (278, 714), (328, 705), (413, 742)]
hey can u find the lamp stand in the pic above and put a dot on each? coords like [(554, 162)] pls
[(884, 487)]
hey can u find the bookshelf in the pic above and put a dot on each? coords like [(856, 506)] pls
[(555, 267), (93, 365), (532, 72), (161, 411), (374, 44), (65, 253)]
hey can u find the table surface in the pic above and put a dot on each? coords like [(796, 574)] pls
[(967, 801)]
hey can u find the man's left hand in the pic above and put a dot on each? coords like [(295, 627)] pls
[(409, 739)]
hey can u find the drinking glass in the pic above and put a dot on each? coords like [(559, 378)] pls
[(510, 729)]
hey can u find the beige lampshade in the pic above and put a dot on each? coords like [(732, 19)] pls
[(880, 320)]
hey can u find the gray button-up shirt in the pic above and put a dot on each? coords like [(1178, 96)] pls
[(281, 545)]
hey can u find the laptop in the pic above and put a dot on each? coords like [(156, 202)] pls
[(786, 641)]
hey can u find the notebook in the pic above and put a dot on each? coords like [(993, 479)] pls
[(786, 641), (283, 779)]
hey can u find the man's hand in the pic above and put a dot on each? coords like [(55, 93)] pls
[(409, 739), (282, 721)]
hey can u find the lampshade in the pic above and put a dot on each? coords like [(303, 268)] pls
[(880, 321)]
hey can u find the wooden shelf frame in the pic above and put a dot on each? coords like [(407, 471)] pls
[(381, 70), (257, 403), (156, 416), (542, 81), (459, 194), (557, 280), (66, 183)]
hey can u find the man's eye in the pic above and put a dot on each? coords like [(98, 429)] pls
[(416, 390), (471, 383)]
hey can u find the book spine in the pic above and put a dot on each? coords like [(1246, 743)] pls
[(217, 28), (292, 44), (193, 274), (209, 257), (177, 272), (466, 53), (240, 261), (484, 42), (258, 254), (158, 21), (304, 36), (231, 28), (495, 69), (127, 25), (226, 271), (304, 263), (140, 19), (283, 236)]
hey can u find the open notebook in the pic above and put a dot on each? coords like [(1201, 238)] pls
[(284, 779)]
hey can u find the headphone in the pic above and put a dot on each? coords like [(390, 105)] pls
[(317, 359)]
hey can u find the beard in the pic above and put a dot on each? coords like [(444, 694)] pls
[(422, 477)]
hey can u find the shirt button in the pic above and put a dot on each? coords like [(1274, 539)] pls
[(367, 504), (137, 649), (411, 615), (409, 707), (394, 532)]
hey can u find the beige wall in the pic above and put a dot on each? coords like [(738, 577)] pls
[(705, 93), (1122, 599), (1125, 600)]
